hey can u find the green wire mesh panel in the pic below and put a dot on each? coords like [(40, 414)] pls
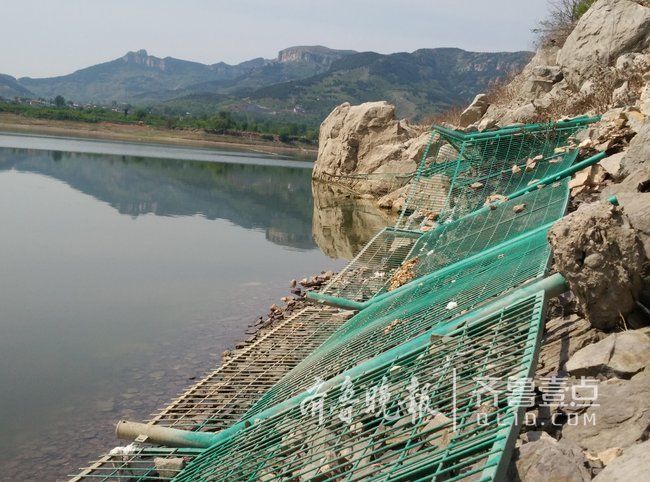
[(464, 170), (137, 464), (457, 175), (379, 267), (486, 228), (395, 320), (368, 272), (474, 183), (424, 415)]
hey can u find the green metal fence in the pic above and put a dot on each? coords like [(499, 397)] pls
[(458, 174), (484, 164), (441, 297), (425, 330), (421, 413), (376, 272), (446, 303)]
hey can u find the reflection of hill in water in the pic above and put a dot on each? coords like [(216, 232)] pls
[(276, 199)]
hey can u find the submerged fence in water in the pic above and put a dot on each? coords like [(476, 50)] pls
[(451, 296)]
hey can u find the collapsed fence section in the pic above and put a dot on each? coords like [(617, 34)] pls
[(484, 164), (420, 414), (468, 305), (224, 395), (396, 257), (432, 302), (459, 174), (133, 463)]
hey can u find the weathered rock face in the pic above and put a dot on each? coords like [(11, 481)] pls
[(563, 337), (542, 80), (621, 354), (621, 414), (633, 190), (548, 459), (367, 139), (600, 255), (637, 155), (632, 465), (607, 30), (604, 63), (475, 110)]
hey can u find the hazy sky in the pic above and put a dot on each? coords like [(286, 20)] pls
[(44, 37)]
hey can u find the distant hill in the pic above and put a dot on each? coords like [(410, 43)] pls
[(140, 77), (417, 83), (10, 87), (302, 84)]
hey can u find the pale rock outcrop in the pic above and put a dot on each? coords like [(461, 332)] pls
[(608, 29), (545, 55), (621, 415), (632, 60), (522, 114), (367, 139), (621, 94), (542, 80), (474, 111), (612, 165), (620, 354), (632, 465), (600, 65), (602, 259)]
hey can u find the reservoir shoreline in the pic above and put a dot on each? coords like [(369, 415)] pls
[(12, 123), (103, 239)]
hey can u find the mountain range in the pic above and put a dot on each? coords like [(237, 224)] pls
[(303, 82)]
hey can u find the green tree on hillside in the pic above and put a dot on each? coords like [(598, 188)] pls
[(59, 101), (140, 114)]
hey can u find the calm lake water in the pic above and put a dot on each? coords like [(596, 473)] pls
[(123, 277)]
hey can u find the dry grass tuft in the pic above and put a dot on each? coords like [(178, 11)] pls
[(448, 116)]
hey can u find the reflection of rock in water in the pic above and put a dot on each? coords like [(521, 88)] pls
[(341, 224)]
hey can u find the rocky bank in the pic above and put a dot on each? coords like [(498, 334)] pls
[(599, 329)]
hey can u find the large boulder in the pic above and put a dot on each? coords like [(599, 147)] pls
[(600, 255), (607, 30), (620, 416), (475, 111), (633, 190), (633, 465), (548, 459), (523, 114), (620, 354), (367, 139)]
